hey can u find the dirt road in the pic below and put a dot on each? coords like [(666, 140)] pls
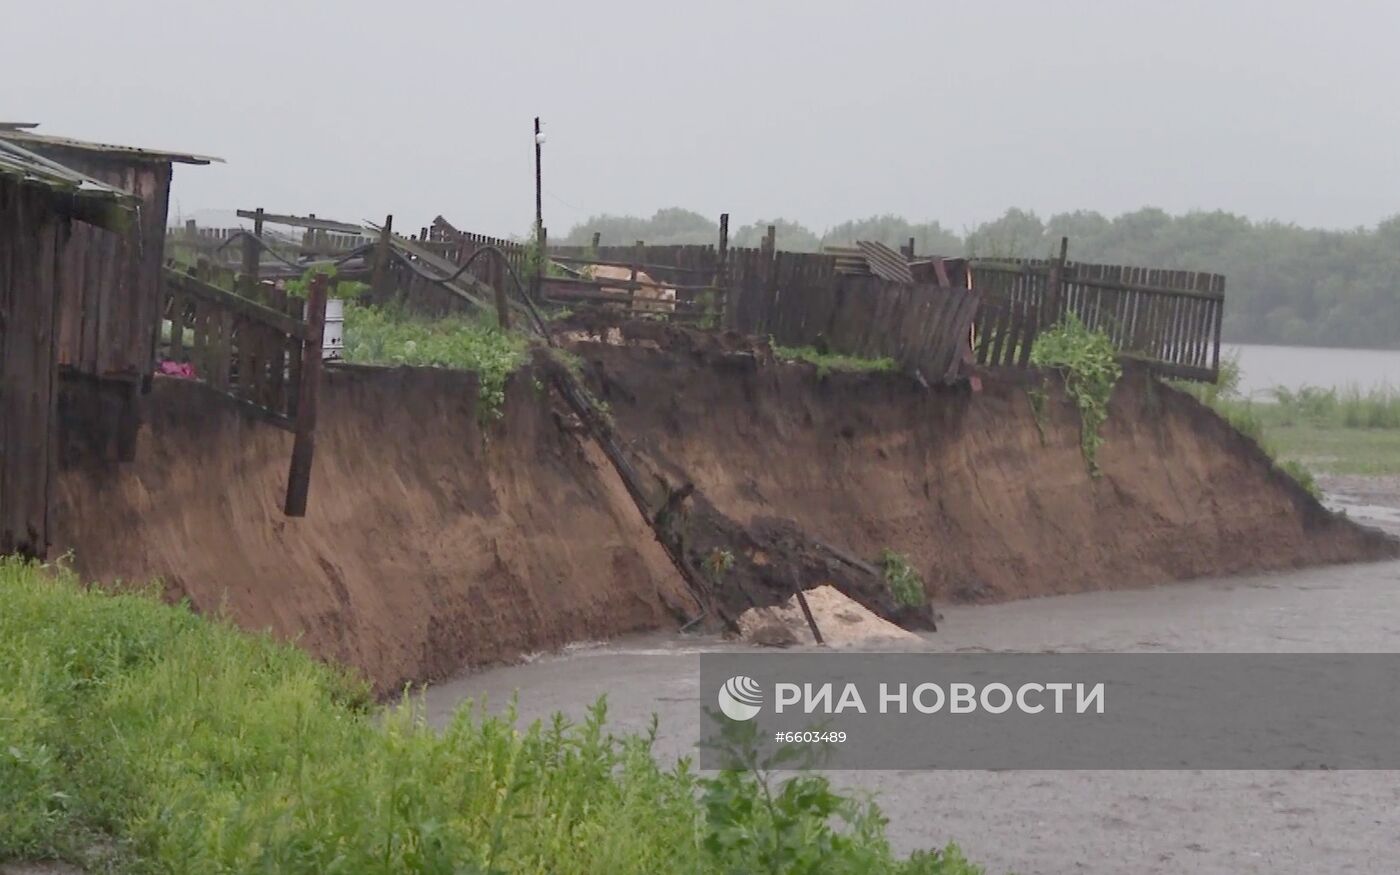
[(1069, 822)]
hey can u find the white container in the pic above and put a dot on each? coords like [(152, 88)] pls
[(333, 343)]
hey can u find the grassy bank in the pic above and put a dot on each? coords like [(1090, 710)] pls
[(1326, 431), (1313, 431), (136, 736)]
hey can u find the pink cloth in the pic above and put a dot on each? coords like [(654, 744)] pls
[(182, 370)]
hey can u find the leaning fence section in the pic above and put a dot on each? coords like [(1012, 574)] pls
[(251, 349), (802, 299), (1170, 319)]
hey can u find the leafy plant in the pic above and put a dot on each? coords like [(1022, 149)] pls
[(799, 825), (1089, 365), (906, 584), (346, 290), (389, 336)]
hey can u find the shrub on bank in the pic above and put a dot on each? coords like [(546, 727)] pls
[(162, 741)]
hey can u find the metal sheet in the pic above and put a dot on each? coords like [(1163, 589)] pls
[(885, 262), (20, 135)]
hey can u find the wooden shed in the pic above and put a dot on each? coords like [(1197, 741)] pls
[(111, 288), (42, 205)]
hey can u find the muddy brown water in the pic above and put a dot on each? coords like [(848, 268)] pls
[(1065, 822)]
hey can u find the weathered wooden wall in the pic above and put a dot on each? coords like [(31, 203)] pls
[(31, 240), (111, 292)]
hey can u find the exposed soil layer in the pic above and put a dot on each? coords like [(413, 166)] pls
[(986, 501), (430, 542), (433, 542)]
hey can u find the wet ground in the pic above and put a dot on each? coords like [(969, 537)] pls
[(1372, 500), (1074, 822)]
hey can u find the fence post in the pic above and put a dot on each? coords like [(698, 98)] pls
[(304, 444), (502, 304), (636, 268), (252, 256), (1055, 287), (537, 280), (379, 274), (722, 254)]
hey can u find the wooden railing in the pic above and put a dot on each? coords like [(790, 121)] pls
[(1167, 318), (246, 349), (262, 351)]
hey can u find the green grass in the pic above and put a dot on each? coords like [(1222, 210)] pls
[(136, 736), (1313, 431), (827, 362), (388, 336), (1323, 449)]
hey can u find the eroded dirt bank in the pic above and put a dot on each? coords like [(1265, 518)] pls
[(987, 502), (434, 543), (428, 544)]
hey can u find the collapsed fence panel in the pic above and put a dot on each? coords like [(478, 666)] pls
[(800, 299)]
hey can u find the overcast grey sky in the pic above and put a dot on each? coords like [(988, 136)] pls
[(815, 111)]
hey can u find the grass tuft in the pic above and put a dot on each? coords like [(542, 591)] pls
[(827, 362)]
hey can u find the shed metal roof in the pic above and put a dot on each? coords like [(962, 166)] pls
[(22, 132), (16, 161)]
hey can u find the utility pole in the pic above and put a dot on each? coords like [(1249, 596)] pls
[(539, 215), (539, 202)]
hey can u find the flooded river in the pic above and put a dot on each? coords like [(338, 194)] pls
[(1293, 367), (1062, 822)]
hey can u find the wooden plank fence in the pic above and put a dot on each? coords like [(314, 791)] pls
[(248, 348), (801, 299), (1170, 319)]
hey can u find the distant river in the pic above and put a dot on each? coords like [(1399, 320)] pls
[(1264, 367)]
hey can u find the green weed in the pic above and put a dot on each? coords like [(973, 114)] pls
[(906, 585), (346, 290), (1087, 361), (184, 745), (827, 362)]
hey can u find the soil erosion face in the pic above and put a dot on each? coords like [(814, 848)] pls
[(986, 501), (429, 542), (432, 542)]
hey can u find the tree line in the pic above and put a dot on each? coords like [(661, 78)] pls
[(1284, 284)]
